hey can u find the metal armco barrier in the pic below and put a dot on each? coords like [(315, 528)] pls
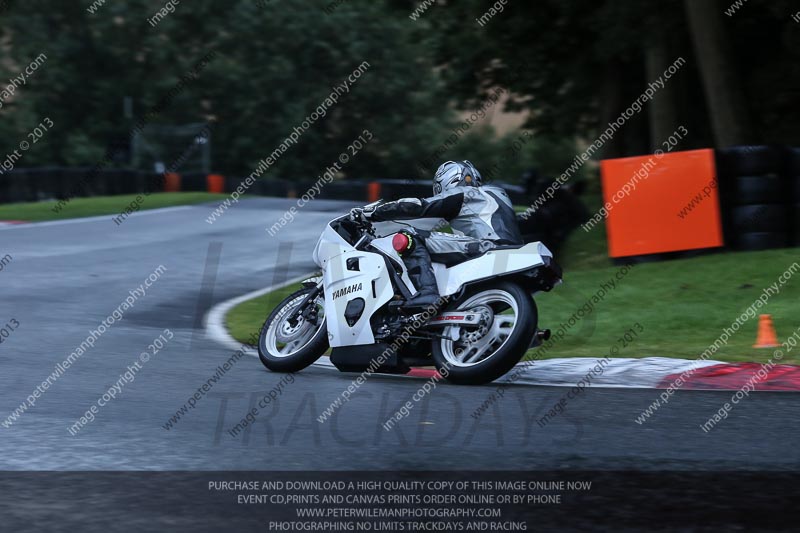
[(57, 183)]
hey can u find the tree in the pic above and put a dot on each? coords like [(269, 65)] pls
[(729, 110), (272, 66)]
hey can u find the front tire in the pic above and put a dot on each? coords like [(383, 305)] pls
[(484, 354), (287, 347)]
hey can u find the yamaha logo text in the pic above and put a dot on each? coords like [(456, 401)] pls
[(346, 291)]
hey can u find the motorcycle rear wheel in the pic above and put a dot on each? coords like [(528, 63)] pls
[(482, 356)]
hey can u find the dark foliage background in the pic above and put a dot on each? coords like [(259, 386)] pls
[(573, 64)]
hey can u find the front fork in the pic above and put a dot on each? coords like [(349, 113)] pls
[(301, 310)]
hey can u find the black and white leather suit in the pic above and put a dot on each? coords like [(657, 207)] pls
[(481, 218)]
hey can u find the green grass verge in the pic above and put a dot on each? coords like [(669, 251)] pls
[(248, 317), (100, 205), (682, 305)]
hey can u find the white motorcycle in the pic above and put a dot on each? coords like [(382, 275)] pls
[(486, 322)]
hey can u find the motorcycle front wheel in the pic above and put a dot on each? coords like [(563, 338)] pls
[(291, 345), (483, 354)]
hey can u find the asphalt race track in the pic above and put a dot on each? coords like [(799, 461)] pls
[(65, 278)]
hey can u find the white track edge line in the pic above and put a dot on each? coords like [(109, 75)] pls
[(31, 225), (215, 329), (215, 318)]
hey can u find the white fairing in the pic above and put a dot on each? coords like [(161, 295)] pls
[(384, 244), (330, 244), (343, 285), (491, 264), (494, 263), (349, 274)]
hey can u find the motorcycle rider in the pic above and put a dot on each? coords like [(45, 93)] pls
[(481, 217)]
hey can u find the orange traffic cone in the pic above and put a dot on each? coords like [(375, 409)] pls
[(766, 333)]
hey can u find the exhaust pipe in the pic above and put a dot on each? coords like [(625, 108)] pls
[(540, 337)]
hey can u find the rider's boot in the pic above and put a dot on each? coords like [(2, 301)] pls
[(420, 270)]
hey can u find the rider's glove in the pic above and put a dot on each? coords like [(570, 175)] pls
[(356, 214), (368, 212)]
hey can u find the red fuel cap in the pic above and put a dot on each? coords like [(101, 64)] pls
[(400, 242)]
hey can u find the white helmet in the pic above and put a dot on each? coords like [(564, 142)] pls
[(456, 174)]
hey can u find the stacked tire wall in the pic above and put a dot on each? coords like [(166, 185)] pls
[(793, 165), (760, 196)]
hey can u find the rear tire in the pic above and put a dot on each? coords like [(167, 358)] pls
[(277, 328), (513, 347)]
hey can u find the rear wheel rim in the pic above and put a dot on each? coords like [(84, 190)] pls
[(282, 339), (504, 323)]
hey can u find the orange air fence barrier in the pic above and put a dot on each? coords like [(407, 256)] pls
[(661, 203), (215, 183), (373, 191), (172, 182)]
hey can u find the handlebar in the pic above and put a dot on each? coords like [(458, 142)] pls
[(362, 223), (354, 230)]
